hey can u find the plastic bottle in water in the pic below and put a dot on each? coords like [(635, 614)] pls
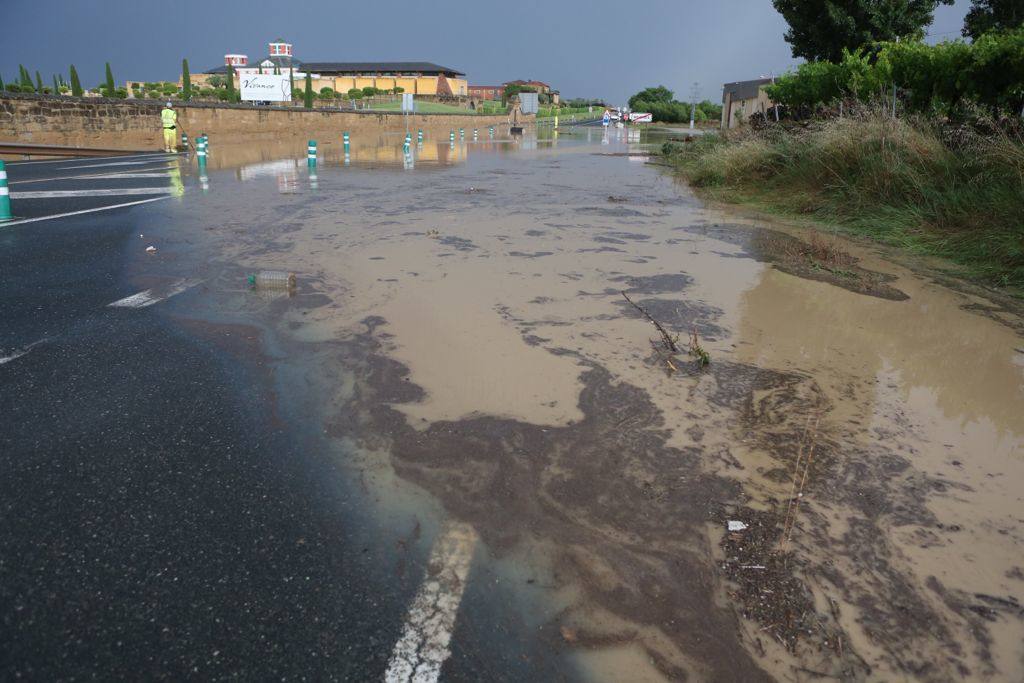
[(272, 279)]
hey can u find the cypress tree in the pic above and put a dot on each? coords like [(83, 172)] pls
[(26, 79), (1, 83), (291, 78), (231, 83), (39, 83), (111, 88), (76, 85), (56, 85), (186, 81), (309, 90)]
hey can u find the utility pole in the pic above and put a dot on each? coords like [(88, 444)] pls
[(693, 103)]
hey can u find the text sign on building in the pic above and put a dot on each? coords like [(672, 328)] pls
[(266, 88), (641, 117), (529, 102)]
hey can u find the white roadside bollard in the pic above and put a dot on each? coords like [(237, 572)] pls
[(5, 195)]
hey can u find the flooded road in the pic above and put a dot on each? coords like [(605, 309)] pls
[(837, 494)]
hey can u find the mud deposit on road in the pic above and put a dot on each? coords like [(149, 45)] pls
[(862, 423)]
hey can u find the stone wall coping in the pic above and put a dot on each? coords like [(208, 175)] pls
[(117, 101)]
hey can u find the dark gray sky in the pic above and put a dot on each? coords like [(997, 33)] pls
[(598, 49)]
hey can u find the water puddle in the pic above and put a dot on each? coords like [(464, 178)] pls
[(864, 421)]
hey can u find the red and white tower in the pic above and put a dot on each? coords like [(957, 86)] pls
[(279, 48), (236, 60)]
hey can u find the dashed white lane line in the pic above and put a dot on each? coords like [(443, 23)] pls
[(22, 221), (20, 352), (423, 646), (150, 297), (99, 192)]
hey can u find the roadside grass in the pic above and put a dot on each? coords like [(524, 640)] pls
[(954, 193)]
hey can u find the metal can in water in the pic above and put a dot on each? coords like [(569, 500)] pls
[(272, 279)]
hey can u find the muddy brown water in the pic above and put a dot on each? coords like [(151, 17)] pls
[(469, 303)]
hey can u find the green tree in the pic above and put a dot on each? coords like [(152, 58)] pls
[(512, 90), (76, 85), (658, 94), (39, 83), (56, 85), (26, 78), (231, 83), (186, 81), (993, 15), (1, 83), (111, 89), (309, 91), (355, 94), (821, 31)]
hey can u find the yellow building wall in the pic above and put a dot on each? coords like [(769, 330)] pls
[(385, 83), (344, 83), (426, 85), (458, 86), (363, 82), (407, 84), (318, 83)]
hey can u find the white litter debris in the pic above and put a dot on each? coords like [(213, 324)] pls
[(151, 249), (736, 526)]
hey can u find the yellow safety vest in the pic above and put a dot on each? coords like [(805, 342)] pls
[(169, 117)]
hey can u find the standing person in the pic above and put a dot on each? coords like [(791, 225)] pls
[(169, 118)]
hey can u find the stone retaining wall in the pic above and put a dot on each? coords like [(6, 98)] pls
[(135, 124)]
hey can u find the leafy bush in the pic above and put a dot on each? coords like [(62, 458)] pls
[(369, 91), (933, 78), (327, 93), (355, 94)]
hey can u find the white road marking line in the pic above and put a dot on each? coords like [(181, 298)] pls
[(148, 297), (68, 160), (423, 647), (114, 163), (87, 176), (99, 192), (20, 352), (130, 174), (79, 213)]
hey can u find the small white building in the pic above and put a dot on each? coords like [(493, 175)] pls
[(743, 99)]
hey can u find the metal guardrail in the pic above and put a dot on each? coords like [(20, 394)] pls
[(63, 150)]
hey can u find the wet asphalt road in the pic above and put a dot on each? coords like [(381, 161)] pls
[(152, 523), (159, 518)]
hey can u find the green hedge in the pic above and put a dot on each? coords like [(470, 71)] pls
[(934, 78)]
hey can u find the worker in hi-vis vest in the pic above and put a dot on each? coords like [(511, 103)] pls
[(169, 117)]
